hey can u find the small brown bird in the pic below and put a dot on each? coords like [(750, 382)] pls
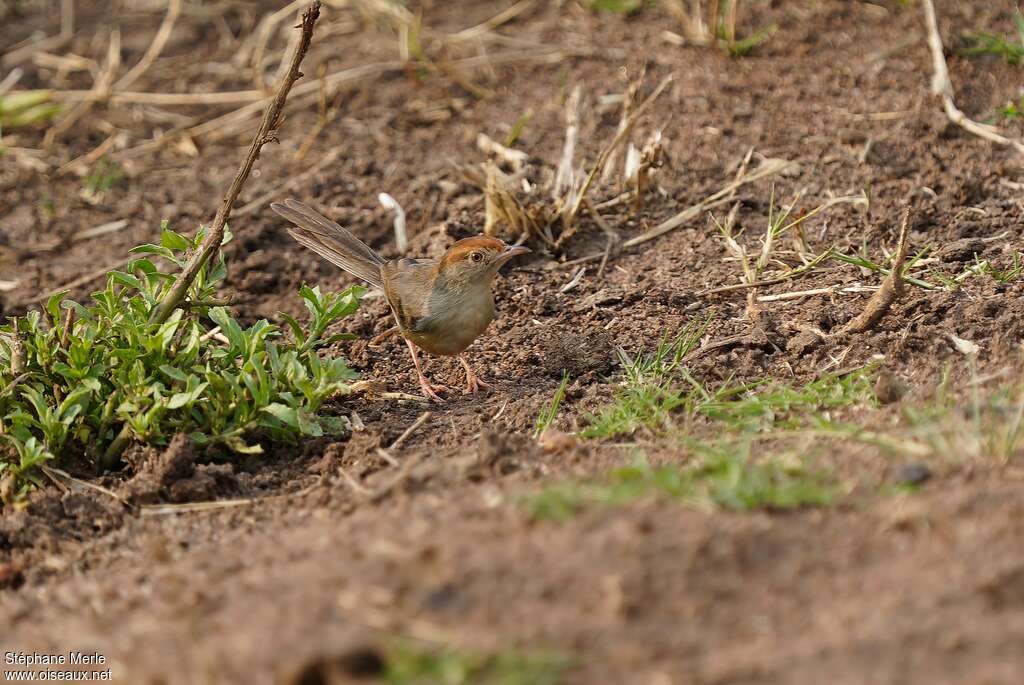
[(441, 306)]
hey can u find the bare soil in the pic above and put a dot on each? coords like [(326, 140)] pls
[(311, 576)]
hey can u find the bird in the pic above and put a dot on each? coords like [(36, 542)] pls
[(440, 305)]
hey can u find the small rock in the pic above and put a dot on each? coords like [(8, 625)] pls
[(913, 474), (963, 250)]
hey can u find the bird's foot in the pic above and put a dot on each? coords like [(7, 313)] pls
[(431, 390), (474, 383)]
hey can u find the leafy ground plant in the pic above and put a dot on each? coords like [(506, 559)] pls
[(658, 395), (985, 43), (408, 663), (84, 380), (723, 474), (549, 413), (28, 108)]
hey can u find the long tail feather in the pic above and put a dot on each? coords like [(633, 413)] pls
[(332, 242)]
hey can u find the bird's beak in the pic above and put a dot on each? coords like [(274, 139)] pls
[(512, 251)]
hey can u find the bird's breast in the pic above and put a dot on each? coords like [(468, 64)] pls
[(454, 321)]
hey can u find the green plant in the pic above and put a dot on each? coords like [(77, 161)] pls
[(408, 663), (985, 427), (744, 46), (516, 130), (1014, 272), (104, 176), (723, 15), (616, 6), (549, 413), (783, 406), (85, 379), (864, 262), (722, 474), (27, 108), (658, 394), (990, 44), (647, 398), (1013, 110)]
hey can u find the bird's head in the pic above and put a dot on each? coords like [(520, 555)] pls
[(477, 259)]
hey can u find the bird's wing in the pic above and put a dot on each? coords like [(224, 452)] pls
[(407, 286)]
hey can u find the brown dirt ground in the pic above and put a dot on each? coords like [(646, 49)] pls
[(921, 589)]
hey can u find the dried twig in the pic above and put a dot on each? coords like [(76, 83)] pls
[(155, 48), (891, 290), (494, 22), (82, 162), (565, 176), (10, 81), (262, 37), (943, 86), (100, 91), (401, 235), (211, 243), (102, 229), (84, 279), (67, 482), (67, 30), (514, 158), (794, 273), (422, 419), (292, 183), (569, 218), (768, 167), (267, 132)]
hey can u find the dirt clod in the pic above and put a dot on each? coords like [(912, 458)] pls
[(585, 353)]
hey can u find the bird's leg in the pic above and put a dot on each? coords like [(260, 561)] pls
[(429, 389), (473, 382)]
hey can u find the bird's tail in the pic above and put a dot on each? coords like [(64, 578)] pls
[(332, 242)]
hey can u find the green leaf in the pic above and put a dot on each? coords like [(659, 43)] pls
[(126, 279), (173, 373), (173, 240), (149, 248), (229, 327), (53, 305), (283, 413), (334, 425), (179, 399)]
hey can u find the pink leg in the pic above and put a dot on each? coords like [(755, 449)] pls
[(473, 382), (429, 389)]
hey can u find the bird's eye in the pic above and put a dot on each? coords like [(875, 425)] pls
[(477, 256)]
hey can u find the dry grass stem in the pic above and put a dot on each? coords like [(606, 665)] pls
[(485, 27), (401, 236), (768, 167), (416, 425), (943, 86), (569, 217), (292, 183), (628, 103), (514, 158), (102, 229), (155, 48), (253, 51), (565, 177), (10, 81), (891, 290), (82, 163), (67, 31), (100, 91)]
